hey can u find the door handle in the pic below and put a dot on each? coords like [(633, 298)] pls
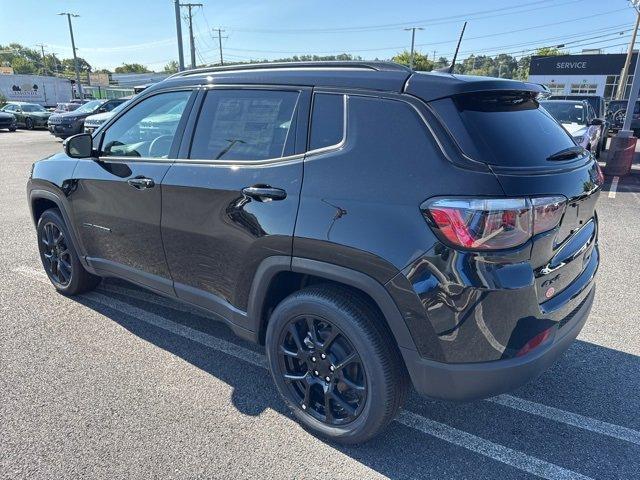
[(264, 193), (141, 183)]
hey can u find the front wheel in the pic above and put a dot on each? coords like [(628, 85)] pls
[(12, 129), (28, 123), (335, 363), (59, 257)]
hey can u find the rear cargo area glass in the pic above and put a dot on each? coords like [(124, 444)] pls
[(504, 128)]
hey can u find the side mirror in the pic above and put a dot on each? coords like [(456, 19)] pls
[(597, 121), (79, 146)]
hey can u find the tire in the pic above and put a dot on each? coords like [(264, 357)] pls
[(378, 368), (12, 129), (62, 266), (28, 124)]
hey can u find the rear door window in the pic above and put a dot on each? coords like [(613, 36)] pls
[(503, 128), (327, 120), (244, 124)]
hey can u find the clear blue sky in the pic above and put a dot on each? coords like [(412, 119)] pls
[(111, 32)]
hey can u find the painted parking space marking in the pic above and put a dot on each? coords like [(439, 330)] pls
[(573, 419), (495, 451), (614, 187)]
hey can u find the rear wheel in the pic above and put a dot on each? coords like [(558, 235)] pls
[(59, 257), (335, 364), (28, 123)]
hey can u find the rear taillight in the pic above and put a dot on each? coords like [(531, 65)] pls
[(492, 223)]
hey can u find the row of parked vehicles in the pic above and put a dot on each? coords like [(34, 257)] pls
[(66, 120)]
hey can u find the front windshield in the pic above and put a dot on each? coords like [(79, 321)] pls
[(33, 108), (566, 112), (89, 106)]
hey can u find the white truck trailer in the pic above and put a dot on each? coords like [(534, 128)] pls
[(46, 91)]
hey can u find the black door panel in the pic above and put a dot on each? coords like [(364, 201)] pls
[(215, 236), (236, 203), (120, 224)]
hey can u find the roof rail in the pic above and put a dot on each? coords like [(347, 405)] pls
[(374, 65)]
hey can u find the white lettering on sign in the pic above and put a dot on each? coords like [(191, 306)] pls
[(576, 65)]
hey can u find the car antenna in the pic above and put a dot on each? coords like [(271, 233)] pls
[(455, 55)]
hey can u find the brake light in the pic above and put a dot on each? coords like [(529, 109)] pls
[(492, 223)]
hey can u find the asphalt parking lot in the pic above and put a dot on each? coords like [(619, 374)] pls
[(121, 383)]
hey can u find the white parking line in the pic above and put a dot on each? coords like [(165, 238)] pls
[(503, 454), (574, 419), (614, 187), (439, 430), (442, 431)]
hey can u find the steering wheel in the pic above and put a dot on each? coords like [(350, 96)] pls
[(157, 143)]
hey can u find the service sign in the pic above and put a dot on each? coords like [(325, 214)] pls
[(24, 91)]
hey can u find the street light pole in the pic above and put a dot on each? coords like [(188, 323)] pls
[(622, 84), (623, 146), (413, 41), (75, 58)]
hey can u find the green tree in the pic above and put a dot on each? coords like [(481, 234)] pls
[(421, 62), (171, 67), (131, 68), (22, 65), (549, 51), (69, 67)]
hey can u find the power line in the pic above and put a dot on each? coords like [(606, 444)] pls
[(431, 21)]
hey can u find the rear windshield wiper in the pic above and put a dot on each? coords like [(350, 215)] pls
[(567, 153)]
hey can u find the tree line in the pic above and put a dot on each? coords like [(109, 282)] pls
[(30, 61)]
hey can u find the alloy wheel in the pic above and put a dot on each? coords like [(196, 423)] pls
[(322, 370), (56, 254)]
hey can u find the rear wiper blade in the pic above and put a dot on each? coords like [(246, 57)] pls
[(567, 153)]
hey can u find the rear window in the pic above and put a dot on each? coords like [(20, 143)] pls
[(327, 120), (503, 128)]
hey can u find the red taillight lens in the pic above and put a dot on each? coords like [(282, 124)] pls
[(547, 212), (492, 223)]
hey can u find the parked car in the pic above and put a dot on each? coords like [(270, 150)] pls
[(63, 125), (444, 235), (8, 121), (28, 115), (66, 107), (92, 122), (578, 117), (596, 101), (616, 111)]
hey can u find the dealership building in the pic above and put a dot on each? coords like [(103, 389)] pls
[(591, 73)]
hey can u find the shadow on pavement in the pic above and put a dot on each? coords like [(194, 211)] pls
[(589, 380)]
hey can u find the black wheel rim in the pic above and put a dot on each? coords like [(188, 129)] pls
[(322, 370), (56, 254)]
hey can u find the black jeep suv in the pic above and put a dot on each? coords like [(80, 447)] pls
[(371, 226)]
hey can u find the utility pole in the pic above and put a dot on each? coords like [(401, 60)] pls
[(413, 41), (44, 61), (75, 58), (622, 84), (179, 34), (192, 44), (220, 43)]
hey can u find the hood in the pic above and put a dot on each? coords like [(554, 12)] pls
[(6, 115), (575, 129), (99, 117), (74, 115), (39, 114)]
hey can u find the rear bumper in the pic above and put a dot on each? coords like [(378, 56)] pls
[(470, 381)]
